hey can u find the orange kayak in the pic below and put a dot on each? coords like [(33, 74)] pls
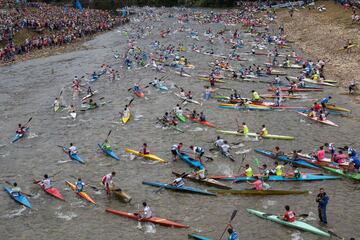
[(84, 195), (206, 123)]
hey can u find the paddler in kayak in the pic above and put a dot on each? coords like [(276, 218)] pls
[(202, 117), (145, 213), (322, 115), (352, 88), (263, 131), (126, 111), (178, 182), (325, 101), (248, 172), (107, 181), (72, 109), (219, 141), (289, 215), (144, 149), (311, 113), (15, 190), (258, 184), (176, 150), (331, 149), (92, 104), (320, 154), (79, 185), (340, 158), (277, 152), (243, 129), (277, 170), (90, 91), (106, 145), (265, 171), (72, 150), (47, 183), (199, 173), (351, 151), (255, 96), (198, 152), (57, 104), (232, 234), (20, 130)]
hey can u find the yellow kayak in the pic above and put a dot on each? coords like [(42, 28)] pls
[(125, 119), (56, 107), (148, 156), (333, 107), (84, 195), (208, 79)]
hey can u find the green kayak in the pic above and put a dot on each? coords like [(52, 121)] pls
[(354, 176), (181, 117), (296, 224)]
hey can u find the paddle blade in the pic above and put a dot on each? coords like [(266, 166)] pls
[(233, 215)]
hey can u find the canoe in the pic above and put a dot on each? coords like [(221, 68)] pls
[(148, 156), (245, 191), (207, 181), (300, 163), (269, 136), (316, 119), (296, 224), (139, 94), (187, 100), (336, 108), (74, 156), (18, 136), (125, 119), (354, 176), (110, 153), (51, 191), (206, 123), (304, 177), (308, 80), (190, 161), (156, 220), (245, 108), (198, 237), (180, 189), (83, 195), (19, 199), (285, 89), (121, 195), (181, 117)]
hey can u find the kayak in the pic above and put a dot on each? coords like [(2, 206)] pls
[(354, 176), (216, 80), (57, 107), (207, 181), (89, 95), (187, 100), (206, 123), (20, 198), (51, 191), (84, 195), (285, 89), (250, 108), (73, 156), (245, 191), (148, 156), (18, 136), (192, 162), (316, 119), (167, 124), (297, 162), (336, 108), (295, 96), (268, 136), (160, 86), (180, 189), (326, 162), (295, 66), (121, 195), (181, 117), (296, 224), (139, 94), (319, 82), (125, 119), (304, 177), (198, 237), (110, 153), (156, 220), (275, 72), (182, 74)]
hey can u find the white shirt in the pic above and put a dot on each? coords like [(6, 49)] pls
[(179, 182), (174, 147), (47, 183), (108, 178), (219, 142), (147, 212), (225, 147), (73, 149)]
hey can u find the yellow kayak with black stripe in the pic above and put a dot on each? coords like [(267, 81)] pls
[(125, 119), (148, 156), (268, 136)]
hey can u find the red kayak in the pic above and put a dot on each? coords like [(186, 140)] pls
[(52, 191), (206, 123), (284, 89), (139, 94), (156, 220)]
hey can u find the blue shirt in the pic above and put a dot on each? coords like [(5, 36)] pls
[(352, 152), (233, 236), (323, 201), (325, 100)]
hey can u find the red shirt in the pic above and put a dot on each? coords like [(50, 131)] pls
[(145, 151), (317, 107), (320, 155), (289, 216)]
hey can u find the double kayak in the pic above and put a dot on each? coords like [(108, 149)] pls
[(19, 198), (190, 161), (206, 123), (18, 136), (303, 177), (125, 119), (73, 156), (317, 119), (180, 189), (51, 191), (169, 124), (252, 107), (155, 220), (268, 136), (296, 224), (245, 191), (148, 156), (319, 82), (109, 153), (83, 195), (207, 181), (187, 99), (353, 176), (297, 162), (284, 89)]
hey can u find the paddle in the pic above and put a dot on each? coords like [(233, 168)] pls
[(184, 174), (231, 218), (131, 101), (26, 194), (91, 186), (108, 135), (335, 235), (242, 161), (28, 121)]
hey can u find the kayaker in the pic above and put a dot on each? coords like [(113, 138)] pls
[(166, 117), (255, 96), (189, 95), (289, 215), (352, 87), (219, 141), (47, 183), (265, 171), (194, 114), (89, 91), (331, 149), (277, 152), (20, 129), (126, 111), (320, 154), (257, 182), (297, 172), (322, 115), (354, 165), (198, 151), (351, 151), (178, 182), (322, 199), (278, 169), (232, 234), (340, 158), (316, 107), (56, 102), (94, 76), (248, 171), (276, 80), (15, 190), (136, 87), (146, 212), (202, 117), (107, 181), (144, 149), (175, 150), (92, 104), (263, 131), (106, 145), (72, 109), (72, 149), (244, 129), (225, 148), (325, 101), (199, 173), (79, 185)]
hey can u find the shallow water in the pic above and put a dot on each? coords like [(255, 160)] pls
[(28, 90)]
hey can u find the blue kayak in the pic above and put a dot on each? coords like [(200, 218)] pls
[(110, 153), (304, 177), (73, 156), (181, 189), (18, 136), (300, 163), (198, 237), (245, 108), (192, 162), (20, 198)]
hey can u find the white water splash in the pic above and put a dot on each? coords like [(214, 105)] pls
[(137, 117), (15, 213), (243, 151), (296, 236), (66, 216), (238, 146), (32, 135), (197, 129), (63, 161), (150, 228)]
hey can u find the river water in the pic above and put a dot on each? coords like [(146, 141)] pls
[(29, 88)]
